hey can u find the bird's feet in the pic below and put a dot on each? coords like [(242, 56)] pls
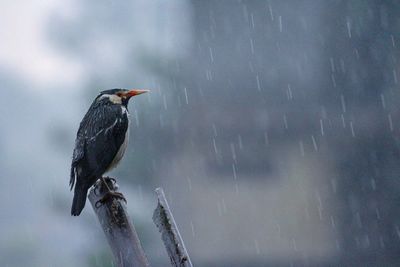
[(108, 196)]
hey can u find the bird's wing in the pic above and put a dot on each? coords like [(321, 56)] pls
[(109, 127), (76, 157), (101, 133)]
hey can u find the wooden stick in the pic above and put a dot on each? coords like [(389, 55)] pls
[(120, 232), (170, 235)]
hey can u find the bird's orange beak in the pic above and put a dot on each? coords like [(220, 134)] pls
[(135, 92)]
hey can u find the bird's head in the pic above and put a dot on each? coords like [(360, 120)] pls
[(119, 96)]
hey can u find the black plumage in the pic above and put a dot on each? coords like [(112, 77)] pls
[(100, 142)]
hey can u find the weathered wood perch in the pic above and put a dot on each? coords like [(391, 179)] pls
[(118, 228), (171, 237)]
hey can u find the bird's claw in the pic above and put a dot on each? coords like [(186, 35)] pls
[(107, 196), (111, 179)]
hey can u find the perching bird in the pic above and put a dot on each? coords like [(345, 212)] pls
[(100, 142)]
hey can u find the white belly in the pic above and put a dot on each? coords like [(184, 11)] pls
[(120, 152)]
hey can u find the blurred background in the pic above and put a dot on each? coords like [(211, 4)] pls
[(273, 127)]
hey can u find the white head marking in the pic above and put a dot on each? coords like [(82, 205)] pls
[(113, 98)]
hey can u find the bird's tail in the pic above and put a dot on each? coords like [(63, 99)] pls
[(78, 203)]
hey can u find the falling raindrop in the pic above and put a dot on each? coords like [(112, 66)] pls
[(136, 116), (348, 28), (240, 142), (332, 64), (285, 121), (208, 75), (333, 80), (290, 94), (357, 53), (165, 102), (211, 54), (251, 46), (219, 209), (383, 101), (270, 11), (378, 215), (301, 148), (215, 147), (397, 231), (373, 184), (233, 151), (333, 224), (294, 244), (234, 172), (192, 227), (161, 120), (214, 130), (320, 213), (343, 121), (343, 103), (278, 229), (266, 138), (258, 83), (321, 123), (186, 96), (280, 23), (352, 129), (251, 66), (342, 66), (390, 122), (314, 143), (318, 197)]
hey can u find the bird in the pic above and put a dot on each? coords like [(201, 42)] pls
[(100, 143)]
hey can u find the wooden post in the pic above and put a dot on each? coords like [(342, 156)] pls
[(120, 232), (170, 235)]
